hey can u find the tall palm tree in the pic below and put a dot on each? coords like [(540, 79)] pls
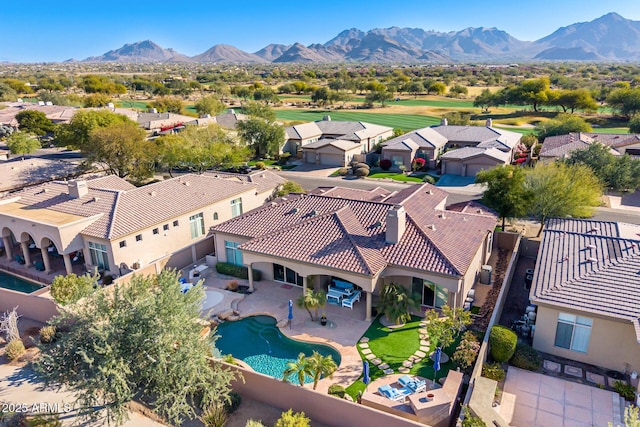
[(320, 366), (312, 300), (299, 367), (396, 303)]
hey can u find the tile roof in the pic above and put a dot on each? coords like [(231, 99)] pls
[(264, 180), (563, 145), (406, 144), (590, 266), (424, 138), (349, 234), (349, 130), (341, 144), (377, 194), (466, 153)]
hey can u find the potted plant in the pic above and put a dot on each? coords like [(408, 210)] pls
[(396, 303), (323, 319)]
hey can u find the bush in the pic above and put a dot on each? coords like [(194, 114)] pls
[(337, 390), (214, 416), (418, 163), (503, 343), (361, 165), (493, 371), (284, 158), (291, 419), (14, 349), (625, 390), (232, 286), (428, 178), (47, 334), (254, 423), (385, 164), (234, 402), (343, 171), (362, 172), (467, 351), (471, 420), (238, 271), (526, 357), (261, 165)]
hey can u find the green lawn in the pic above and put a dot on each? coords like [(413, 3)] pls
[(140, 105), (618, 130), (396, 176), (394, 347), (403, 121), (441, 103)]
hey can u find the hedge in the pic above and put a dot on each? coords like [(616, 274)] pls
[(526, 357), (238, 271), (503, 343)]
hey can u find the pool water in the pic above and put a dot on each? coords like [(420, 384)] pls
[(257, 341), (9, 281)]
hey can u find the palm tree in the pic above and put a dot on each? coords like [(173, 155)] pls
[(396, 303), (320, 366), (299, 367), (312, 300)]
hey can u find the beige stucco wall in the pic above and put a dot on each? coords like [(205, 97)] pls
[(407, 156), (623, 150), (613, 344), (30, 306)]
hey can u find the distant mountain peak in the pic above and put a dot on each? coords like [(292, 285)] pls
[(142, 51)]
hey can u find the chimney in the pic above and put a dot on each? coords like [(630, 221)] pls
[(489, 122), (77, 189), (326, 119), (396, 224), (444, 122)]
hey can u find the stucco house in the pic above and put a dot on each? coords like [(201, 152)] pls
[(586, 286), (561, 146), (366, 239), (355, 137), (486, 147), (117, 227)]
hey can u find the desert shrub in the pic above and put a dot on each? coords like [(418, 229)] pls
[(291, 419), (625, 390), (471, 420), (418, 163), (385, 164), (214, 416), (493, 371), (362, 172), (429, 179), (44, 420), (70, 288), (261, 165), (47, 334), (503, 343), (14, 349), (525, 357), (234, 402), (343, 171), (336, 390), (232, 285), (467, 351), (361, 165), (254, 423), (284, 158), (238, 271)]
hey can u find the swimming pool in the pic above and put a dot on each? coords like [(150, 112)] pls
[(15, 283), (257, 341)]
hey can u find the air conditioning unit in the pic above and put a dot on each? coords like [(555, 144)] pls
[(136, 265)]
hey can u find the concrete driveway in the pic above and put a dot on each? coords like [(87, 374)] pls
[(535, 400)]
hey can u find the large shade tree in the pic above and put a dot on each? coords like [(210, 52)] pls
[(22, 143), (505, 191), (34, 122), (264, 137), (142, 341), (75, 134)]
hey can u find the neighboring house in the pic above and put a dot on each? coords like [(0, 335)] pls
[(561, 146), (228, 120), (118, 227), (430, 143), (362, 137), (366, 238), (56, 113), (331, 152), (160, 122), (587, 288)]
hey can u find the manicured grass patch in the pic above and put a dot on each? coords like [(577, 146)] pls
[(402, 121), (139, 105), (266, 162), (442, 103), (287, 167), (396, 176), (523, 131), (618, 130)]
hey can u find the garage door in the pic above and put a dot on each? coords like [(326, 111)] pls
[(331, 159), (452, 168), (472, 170), (310, 156)]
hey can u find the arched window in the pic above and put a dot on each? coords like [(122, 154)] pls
[(215, 216)]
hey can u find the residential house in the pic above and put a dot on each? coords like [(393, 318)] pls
[(365, 238), (117, 227), (56, 113), (561, 146), (461, 150), (587, 291), (313, 141)]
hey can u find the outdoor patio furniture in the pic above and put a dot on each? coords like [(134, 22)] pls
[(334, 297), (348, 301), (391, 393), (413, 383), (341, 287), (39, 265), (19, 259)]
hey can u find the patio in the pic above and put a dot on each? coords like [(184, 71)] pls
[(30, 272)]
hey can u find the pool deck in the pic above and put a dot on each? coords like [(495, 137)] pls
[(345, 326)]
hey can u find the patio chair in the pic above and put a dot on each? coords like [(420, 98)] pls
[(413, 383), (348, 301), (19, 259), (390, 393), (39, 265)]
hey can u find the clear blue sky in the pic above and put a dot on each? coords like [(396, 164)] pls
[(49, 31)]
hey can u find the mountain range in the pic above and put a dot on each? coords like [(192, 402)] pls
[(608, 38)]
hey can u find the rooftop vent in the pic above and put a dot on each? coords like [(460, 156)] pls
[(594, 229), (442, 215), (430, 192), (431, 227), (187, 183), (592, 259), (152, 194), (95, 199), (313, 212), (591, 246), (77, 189)]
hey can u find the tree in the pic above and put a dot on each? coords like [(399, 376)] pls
[(529, 92), (558, 190), (561, 125), (7, 93), (312, 300), (70, 288), (299, 368), (320, 366), (256, 109), (623, 174), (138, 341), (625, 100), (504, 191), (381, 96), (485, 100), (209, 105), (34, 122), (439, 88), (264, 137), (167, 104), (123, 150), (291, 419), (443, 330), (22, 143), (96, 100), (290, 187), (396, 303), (634, 124), (76, 133), (576, 99)]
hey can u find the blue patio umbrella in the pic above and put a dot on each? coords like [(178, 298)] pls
[(290, 316), (366, 379), (436, 363)]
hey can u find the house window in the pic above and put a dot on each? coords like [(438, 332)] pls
[(165, 227), (573, 332), (123, 243), (176, 223), (234, 256), (156, 231), (139, 238), (236, 207), (215, 216), (196, 222), (397, 161), (429, 293), (99, 257), (286, 275)]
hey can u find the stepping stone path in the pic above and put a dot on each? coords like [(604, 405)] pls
[(366, 351), (364, 340), (425, 343), (407, 364), (421, 354), (364, 345), (404, 370), (383, 366), (388, 371), (370, 356), (376, 361)]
